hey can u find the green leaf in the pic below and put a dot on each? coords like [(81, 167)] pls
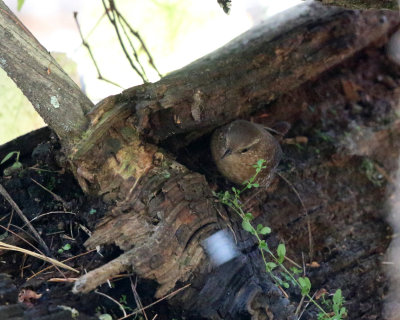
[(305, 285), (260, 163), (16, 165), (66, 247), (249, 216), (269, 266), (281, 251), (92, 211), (20, 4), (287, 277), (263, 245), (295, 270), (285, 285), (265, 230), (246, 225), (8, 156), (337, 297)]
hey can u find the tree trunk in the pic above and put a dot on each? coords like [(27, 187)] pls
[(363, 4), (53, 94), (295, 70)]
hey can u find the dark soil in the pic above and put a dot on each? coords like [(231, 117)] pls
[(62, 222)]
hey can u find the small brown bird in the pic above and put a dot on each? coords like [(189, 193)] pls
[(238, 146)]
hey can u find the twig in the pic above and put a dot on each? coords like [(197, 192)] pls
[(113, 300), (137, 297), (310, 238), (137, 35), (292, 262), (27, 242), (111, 14), (95, 25), (11, 216), (302, 297), (155, 302), (5, 246), (49, 267), (6, 195), (299, 306), (87, 46), (131, 45), (55, 196), (305, 307), (70, 280), (51, 212)]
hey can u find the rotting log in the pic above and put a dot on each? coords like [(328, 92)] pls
[(280, 54), (167, 210), (161, 210)]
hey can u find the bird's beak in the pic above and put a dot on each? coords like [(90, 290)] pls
[(227, 153)]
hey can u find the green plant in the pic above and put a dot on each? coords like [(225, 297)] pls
[(323, 136), (20, 3), (287, 276), (369, 169), (123, 301), (65, 247), (336, 304), (15, 167)]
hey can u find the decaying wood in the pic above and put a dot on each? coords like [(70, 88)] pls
[(280, 55), (161, 210)]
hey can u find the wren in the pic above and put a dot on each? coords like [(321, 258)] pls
[(238, 146)]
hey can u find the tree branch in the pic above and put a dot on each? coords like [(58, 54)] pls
[(253, 70), (363, 4), (51, 91)]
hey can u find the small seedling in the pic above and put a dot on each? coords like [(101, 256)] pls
[(336, 304), (123, 301), (369, 169), (287, 276), (15, 167), (65, 247)]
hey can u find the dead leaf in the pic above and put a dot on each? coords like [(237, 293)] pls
[(27, 295), (313, 264), (350, 90)]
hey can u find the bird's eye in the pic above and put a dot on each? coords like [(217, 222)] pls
[(244, 150)]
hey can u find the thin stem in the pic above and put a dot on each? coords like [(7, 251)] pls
[(87, 46), (111, 14), (234, 203)]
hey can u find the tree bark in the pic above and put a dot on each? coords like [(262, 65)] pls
[(53, 94), (252, 70), (363, 4)]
